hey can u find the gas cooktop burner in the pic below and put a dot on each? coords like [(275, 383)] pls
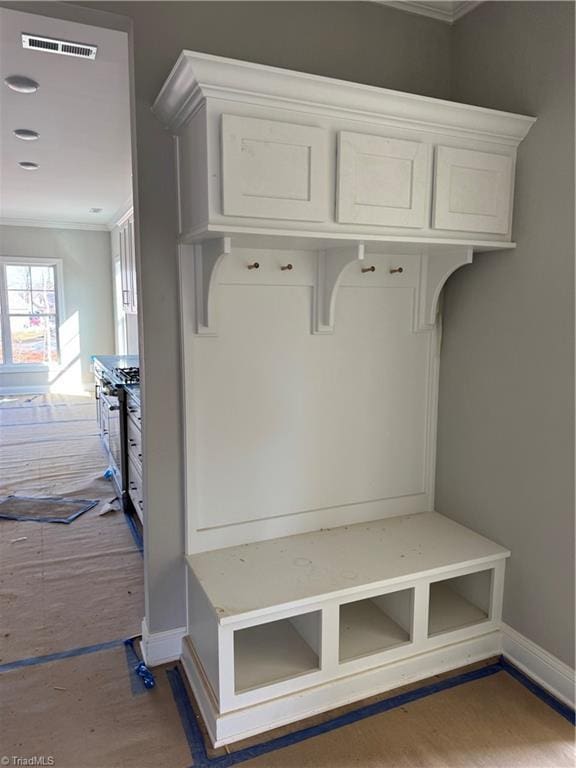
[(128, 375)]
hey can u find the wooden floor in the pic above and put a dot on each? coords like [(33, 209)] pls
[(90, 711)]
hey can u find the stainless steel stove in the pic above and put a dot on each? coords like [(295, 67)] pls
[(130, 375)]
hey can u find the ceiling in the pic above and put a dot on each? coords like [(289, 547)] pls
[(81, 111)]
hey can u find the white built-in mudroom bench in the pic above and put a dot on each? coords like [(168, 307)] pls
[(319, 220)]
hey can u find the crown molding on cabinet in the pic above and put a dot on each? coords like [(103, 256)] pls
[(439, 185), (198, 76), (443, 10)]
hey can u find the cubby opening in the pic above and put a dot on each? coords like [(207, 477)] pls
[(276, 651), (375, 624), (459, 602)]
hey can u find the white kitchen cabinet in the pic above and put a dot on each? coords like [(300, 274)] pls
[(318, 223), (128, 264), (383, 181), (473, 190)]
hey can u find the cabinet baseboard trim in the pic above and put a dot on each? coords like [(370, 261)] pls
[(542, 667), (250, 721), (161, 647)]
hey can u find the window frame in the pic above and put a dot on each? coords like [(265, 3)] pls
[(20, 261)]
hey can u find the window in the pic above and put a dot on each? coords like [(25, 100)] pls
[(28, 312)]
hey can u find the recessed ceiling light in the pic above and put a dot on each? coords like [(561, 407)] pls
[(96, 210), (21, 84), (28, 166), (26, 134)]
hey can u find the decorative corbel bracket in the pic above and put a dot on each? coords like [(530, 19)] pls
[(208, 257), (435, 268), (331, 265)]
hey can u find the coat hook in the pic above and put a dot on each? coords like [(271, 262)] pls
[(255, 265), (398, 270), (369, 269), (287, 267)]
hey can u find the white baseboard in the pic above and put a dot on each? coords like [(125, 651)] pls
[(546, 670), (39, 389), (161, 647)]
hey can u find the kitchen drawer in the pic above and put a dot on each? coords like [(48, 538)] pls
[(134, 411), (135, 487), (134, 442)]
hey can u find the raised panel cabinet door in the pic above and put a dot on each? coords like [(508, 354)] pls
[(473, 191), (274, 170), (383, 181)]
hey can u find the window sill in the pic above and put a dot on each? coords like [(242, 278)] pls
[(27, 368)]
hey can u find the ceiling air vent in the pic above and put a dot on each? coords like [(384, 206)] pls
[(63, 47)]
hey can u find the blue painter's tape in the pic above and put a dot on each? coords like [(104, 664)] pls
[(83, 651), (201, 759), (141, 678), (196, 742), (188, 718), (537, 690), (136, 535)]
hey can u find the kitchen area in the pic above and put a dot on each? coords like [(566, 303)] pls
[(119, 416), (117, 377)]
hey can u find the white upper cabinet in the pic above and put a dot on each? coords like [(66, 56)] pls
[(383, 181), (274, 170), (473, 191), (267, 153)]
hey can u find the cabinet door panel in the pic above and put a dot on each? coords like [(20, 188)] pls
[(473, 191), (382, 181), (132, 267), (274, 170)]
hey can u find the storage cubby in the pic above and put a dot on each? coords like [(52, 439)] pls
[(459, 602), (376, 624), (276, 651)]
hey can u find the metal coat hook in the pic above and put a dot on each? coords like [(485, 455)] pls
[(287, 267), (369, 269), (397, 270), (254, 265)]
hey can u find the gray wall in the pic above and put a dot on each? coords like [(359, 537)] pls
[(505, 445), (355, 41), (505, 451), (87, 324)]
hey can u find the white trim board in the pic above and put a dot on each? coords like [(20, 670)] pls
[(443, 10), (161, 647), (54, 224), (539, 665)]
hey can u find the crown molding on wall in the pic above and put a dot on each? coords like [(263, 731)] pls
[(121, 213), (443, 10), (54, 224)]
